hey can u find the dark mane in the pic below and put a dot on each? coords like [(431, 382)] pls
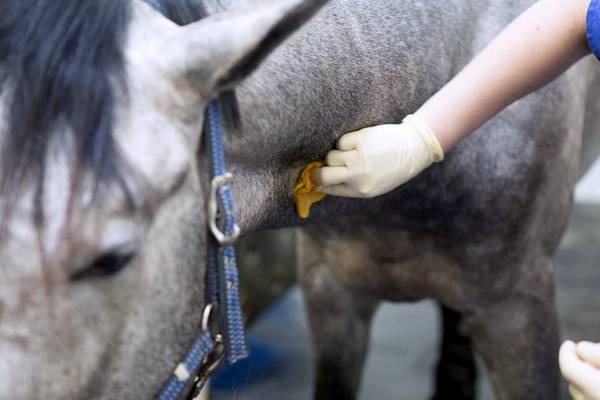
[(59, 61)]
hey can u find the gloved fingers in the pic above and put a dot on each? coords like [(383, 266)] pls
[(579, 373), (337, 158), (576, 393), (589, 352), (330, 176), (340, 190), (349, 141)]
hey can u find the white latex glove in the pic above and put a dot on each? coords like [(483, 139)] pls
[(580, 365), (376, 160)]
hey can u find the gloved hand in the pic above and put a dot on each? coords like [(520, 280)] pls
[(580, 365), (376, 160)]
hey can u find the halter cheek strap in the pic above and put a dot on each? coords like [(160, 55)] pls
[(224, 338)]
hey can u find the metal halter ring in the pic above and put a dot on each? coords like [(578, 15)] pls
[(213, 209), (206, 317)]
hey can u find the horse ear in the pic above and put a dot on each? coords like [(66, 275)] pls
[(219, 51)]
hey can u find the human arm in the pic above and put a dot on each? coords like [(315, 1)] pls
[(531, 52)]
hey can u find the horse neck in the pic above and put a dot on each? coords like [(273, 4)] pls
[(357, 64)]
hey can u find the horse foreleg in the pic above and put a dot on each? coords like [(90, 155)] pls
[(339, 321), (518, 338)]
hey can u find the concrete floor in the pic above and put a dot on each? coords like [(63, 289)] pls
[(405, 337)]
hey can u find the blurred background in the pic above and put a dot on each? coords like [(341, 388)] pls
[(405, 337)]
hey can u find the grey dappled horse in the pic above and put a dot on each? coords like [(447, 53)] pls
[(105, 308), (476, 232)]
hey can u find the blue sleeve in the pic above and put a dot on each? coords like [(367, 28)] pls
[(593, 27)]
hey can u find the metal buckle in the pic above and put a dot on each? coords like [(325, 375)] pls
[(213, 209), (210, 365), (213, 360)]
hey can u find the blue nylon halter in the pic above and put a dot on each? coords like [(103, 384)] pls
[(222, 285)]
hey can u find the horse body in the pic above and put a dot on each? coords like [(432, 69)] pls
[(476, 232)]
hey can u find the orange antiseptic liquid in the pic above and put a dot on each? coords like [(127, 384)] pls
[(305, 191)]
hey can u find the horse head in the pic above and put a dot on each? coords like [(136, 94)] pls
[(102, 207)]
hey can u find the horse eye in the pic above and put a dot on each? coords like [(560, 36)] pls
[(105, 265)]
